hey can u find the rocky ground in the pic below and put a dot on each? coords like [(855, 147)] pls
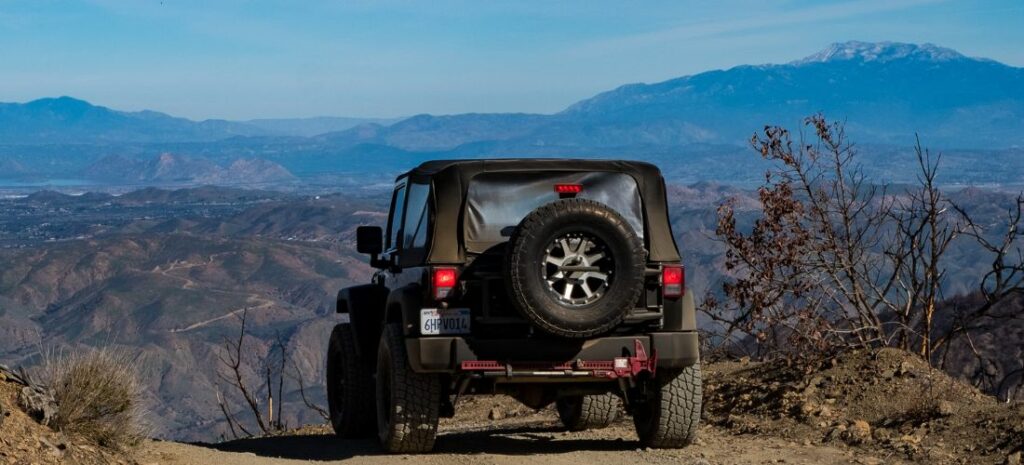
[(886, 402), (884, 407)]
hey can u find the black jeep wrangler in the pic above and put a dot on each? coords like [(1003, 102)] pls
[(547, 280)]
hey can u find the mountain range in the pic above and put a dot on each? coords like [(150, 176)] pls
[(70, 120), (887, 93), (176, 169)]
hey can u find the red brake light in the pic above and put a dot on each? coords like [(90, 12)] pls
[(673, 281), (568, 188), (444, 281)]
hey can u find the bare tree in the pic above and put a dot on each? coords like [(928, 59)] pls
[(922, 233), (835, 261), (998, 301), (253, 378), (232, 373), (1005, 277), (811, 267), (297, 377)]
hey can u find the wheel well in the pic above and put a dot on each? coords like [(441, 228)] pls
[(394, 313), (403, 306), (364, 305)]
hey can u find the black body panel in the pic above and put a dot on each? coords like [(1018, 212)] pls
[(364, 304)]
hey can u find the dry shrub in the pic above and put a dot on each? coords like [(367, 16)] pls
[(98, 394)]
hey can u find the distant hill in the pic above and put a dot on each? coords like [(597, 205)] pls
[(168, 168), (886, 91), (69, 120), (309, 127)]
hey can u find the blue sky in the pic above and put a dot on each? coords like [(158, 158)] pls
[(247, 59)]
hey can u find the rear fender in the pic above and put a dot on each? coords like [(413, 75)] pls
[(365, 307), (403, 306)]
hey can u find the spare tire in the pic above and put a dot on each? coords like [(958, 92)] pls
[(574, 268)]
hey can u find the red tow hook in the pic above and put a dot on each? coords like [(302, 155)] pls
[(638, 363)]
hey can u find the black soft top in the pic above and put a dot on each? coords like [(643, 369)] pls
[(450, 180)]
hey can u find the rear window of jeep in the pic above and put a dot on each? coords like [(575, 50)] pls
[(497, 202)]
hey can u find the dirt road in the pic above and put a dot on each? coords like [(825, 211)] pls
[(523, 437)]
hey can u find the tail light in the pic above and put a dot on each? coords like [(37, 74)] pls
[(443, 280), (673, 281)]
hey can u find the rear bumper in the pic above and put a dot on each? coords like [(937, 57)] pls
[(446, 354)]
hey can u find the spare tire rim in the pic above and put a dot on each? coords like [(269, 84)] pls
[(577, 268)]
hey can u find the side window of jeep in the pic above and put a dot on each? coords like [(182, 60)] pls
[(414, 229), (395, 221)]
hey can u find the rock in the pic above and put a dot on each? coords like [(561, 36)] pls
[(38, 403), (945, 408), (910, 439), (55, 448), (905, 368), (1012, 459), (808, 408), (858, 432), (496, 414), (837, 432)]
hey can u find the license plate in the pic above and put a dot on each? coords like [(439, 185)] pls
[(434, 322)]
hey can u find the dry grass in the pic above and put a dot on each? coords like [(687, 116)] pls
[(98, 394)]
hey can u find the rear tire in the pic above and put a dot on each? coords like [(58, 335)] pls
[(349, 386), (574, 268), (408, 403), (671, 413), (580, 413)]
